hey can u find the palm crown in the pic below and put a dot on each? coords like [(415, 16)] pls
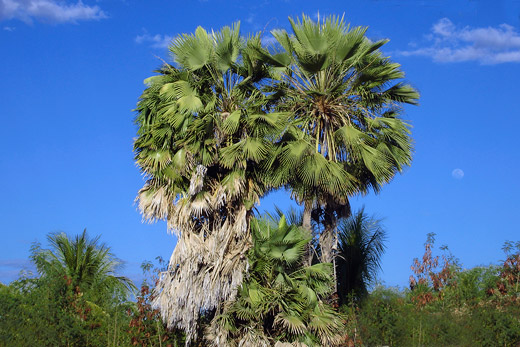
[(361, 247), (85, 264)]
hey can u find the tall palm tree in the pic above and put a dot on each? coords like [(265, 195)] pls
[(86, 265), (205, 137), (281, 300), (360, 248), (345, 136)]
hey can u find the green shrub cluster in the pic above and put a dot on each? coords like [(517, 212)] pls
[(389, 317), (47, 312), (445, 306), (77, 300)]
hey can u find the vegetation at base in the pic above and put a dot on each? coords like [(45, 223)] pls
[(146, 327), (445, 305), (76, 299), (281, 301)]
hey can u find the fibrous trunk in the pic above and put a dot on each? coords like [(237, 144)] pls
[(327, 242), (328, 237), (209, 261)]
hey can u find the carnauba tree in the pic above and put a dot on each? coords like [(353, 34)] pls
[(204, 139), (345, 136)]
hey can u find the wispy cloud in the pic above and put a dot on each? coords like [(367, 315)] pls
[(15, 263), (54, 11), (448, 43), (9, 28), (156, 41), (10, 269)]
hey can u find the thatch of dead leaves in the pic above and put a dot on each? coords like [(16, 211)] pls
[(209, 260)]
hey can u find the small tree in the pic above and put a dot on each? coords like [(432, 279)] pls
[(87, 266), (431, 277), (360, 248)]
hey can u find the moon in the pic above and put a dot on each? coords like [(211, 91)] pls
[(457, 174)]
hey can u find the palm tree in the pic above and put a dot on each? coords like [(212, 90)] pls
[(345, 136), (361, 245), (205, 137), (87, 266), (281, 300)]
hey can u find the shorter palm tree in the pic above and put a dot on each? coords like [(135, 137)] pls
[(281, 300), (86, 265), (360, 248)]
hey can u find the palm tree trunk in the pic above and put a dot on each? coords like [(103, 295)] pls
[(306, 224), (328, 236), (326, 245), (307, 211)]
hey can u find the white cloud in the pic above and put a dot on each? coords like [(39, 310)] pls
[(6, 28), (268, 40), (55, 11), (457, 174), (449, 44), (156, 41)]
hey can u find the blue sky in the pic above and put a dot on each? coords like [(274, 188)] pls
[(71, 73)]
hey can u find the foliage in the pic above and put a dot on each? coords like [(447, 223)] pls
[(71, 303), (509, 283), (281, 300), (446, 305), (430, 280), (389, 317), (87, 266), (360, 248)]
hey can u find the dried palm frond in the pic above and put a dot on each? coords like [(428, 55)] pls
[(209, 260), (153, 203)]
